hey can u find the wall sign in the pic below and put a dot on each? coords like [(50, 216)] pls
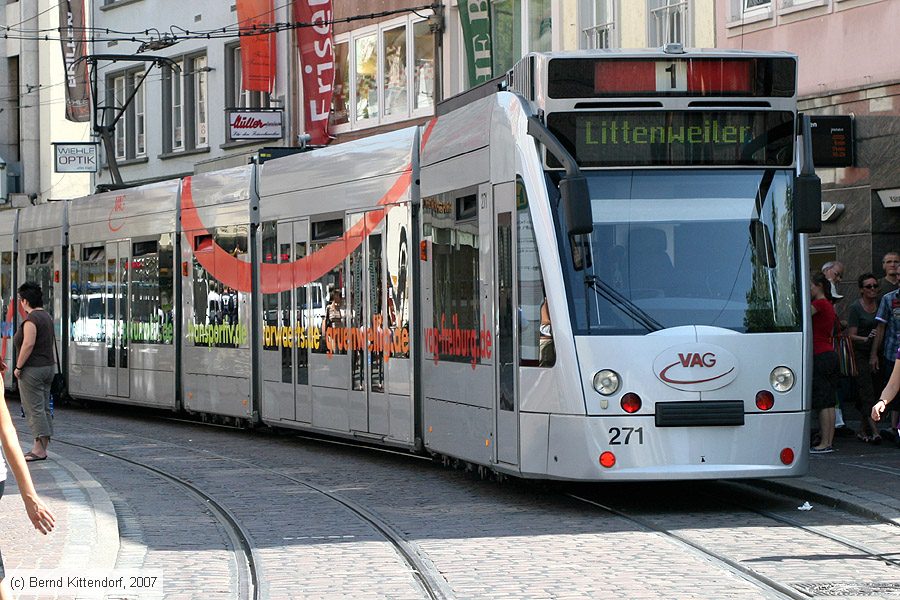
[(254, 124), (890, 198), (75, 157), (832, 141)]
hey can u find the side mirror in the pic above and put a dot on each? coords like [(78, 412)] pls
[(576, 201), (807, 204)]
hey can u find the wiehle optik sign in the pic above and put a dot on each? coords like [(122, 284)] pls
[(75, 157)]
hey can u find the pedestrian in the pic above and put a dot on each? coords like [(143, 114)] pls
[(861, 330), (887, 331), (35, 367), (889, 391), (834, 272), (846, 386), (891, 280), (39, 515), (825, 362)]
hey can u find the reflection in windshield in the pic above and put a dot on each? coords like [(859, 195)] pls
[(672, 248)]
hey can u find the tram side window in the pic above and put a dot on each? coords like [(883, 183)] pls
[(535, 330), (334, 317), (152, 292), (39, 269), (88, 286), (218, 319), (397, 248), (269, 239), (7, 294), (451, 222)]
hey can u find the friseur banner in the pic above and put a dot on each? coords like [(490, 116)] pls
[(72, 38), (314, 38), (257, 51), (475, 16)]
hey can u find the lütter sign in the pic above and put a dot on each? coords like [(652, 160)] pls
[(254, 124)]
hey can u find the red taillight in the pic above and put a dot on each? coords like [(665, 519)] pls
[(607, 459), (764, 400), (631, 402), (787, 456)]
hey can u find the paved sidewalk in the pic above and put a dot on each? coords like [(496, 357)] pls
[(863, 478), (86, 534)]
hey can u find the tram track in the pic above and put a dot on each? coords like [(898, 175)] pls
[(426, 576), (248, 576), (770, 585)]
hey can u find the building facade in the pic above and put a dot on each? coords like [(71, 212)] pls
[(394, 60), (849, 57), (32, 108)]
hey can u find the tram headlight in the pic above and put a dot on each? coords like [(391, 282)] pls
[(782, 379), (606, 382)]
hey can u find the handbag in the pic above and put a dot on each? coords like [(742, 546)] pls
[(59, 389), (843, 347)]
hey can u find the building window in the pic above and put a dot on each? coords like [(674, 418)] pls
[(130, 132), (600, 17), (235, 95), (383, 74), (186, 105), (755, 5), (668, 21), (518, 27)]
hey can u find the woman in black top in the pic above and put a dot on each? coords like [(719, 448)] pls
[(35, 367)]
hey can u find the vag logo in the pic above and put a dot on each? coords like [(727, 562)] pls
[(695, 367)]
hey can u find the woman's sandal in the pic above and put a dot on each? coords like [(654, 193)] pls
[(32, 457), (863, 438), (875, 439)]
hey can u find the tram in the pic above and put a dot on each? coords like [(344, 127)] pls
[(594, 269)]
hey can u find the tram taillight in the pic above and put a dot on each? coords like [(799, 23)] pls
[(764, 400), (631, 402), (607, 459), (787, 456)]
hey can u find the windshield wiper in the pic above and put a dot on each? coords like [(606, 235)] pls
[(628, 307)]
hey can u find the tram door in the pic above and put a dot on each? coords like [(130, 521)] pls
[(366, 323), (297, 306), (118, 260), (507, 406)]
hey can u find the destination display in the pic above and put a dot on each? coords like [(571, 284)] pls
[(605, 77), (675, 138)]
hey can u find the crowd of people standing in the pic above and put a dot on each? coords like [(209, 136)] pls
[(858, 373)]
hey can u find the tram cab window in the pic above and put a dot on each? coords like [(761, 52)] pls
[(536, 347)]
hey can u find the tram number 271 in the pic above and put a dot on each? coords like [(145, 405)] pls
[(616, 433)]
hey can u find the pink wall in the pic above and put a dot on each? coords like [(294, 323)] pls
[(838, 50)]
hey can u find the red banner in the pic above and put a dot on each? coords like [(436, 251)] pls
[(72, 35), (316, 64), (257, 51)]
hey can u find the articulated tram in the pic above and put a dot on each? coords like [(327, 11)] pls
[(592, 270)]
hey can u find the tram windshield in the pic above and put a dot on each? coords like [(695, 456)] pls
[(675, 247)]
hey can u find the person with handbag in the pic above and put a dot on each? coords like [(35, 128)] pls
[(862, 330), (825, 361), (35, 367)]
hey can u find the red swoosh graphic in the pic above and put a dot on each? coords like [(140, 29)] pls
[(662, 375), (109, 221), (237, 274)]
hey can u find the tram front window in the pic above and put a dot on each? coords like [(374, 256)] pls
[(673, 248)]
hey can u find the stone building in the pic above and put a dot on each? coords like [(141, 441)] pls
[(849, 65)]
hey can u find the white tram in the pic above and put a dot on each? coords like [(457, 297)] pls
[(651, 205)]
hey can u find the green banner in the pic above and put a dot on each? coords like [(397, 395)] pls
[(475, 16)]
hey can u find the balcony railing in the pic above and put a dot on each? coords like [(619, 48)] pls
[(599, 36), (667, 24)]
